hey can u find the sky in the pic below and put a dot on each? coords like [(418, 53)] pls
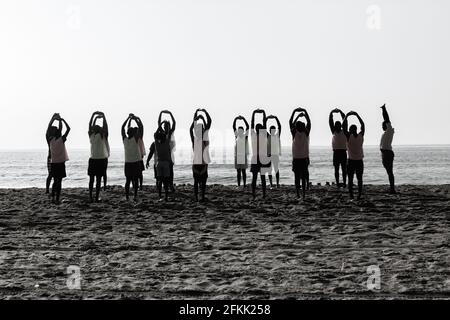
[(230, 57)]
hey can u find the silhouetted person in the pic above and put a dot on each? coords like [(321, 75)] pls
[(260, 153), (169, 130), (49, 169), (339, 144), (387, 154), (355, 143), (162, 149), (140, 135), (133, 155), (58, 154), (152, 154), (274, 150), (199, 132), (98, 136), (241, 150), (105, 176), (300, 149)]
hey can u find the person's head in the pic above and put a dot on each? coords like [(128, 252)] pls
[(273, 130), (259, 127), (300, 126), (338, 126), (240, 131), (160, 135), (353, 129), (131, 132), (166, 126), (97, 129), (384, 125), (54, 132)]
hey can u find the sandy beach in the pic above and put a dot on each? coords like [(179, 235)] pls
[(229, 247)]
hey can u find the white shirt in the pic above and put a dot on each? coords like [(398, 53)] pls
[(275, 148), (355, 147), (241, 148), (339, 141), (201, 151), (132, 150), (260, 153), (300, 145), (387, 137), (99, 149), (58, 150)]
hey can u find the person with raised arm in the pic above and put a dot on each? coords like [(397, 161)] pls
[(152, 154), (50, 133), (355, 163), (199, 132), (274, 150), (58, 154), (260, 154), (133, 156), (162, 149), (339, 145), (387, 154), (300, 148), (98, 136), (241, 150), (169, 129), (140, 132)]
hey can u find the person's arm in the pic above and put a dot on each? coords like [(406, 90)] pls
[(150, 154), (91, 124), (245, 122), (385, 114), (278, 124), (64, 137), (191, 132), (331, 121), (308, 122), (208, 120), (127, 121), (253, 119), (47, 133), (160, 118), (105, 126), (345, 125), (264, 119), (174, 123), (140, 127), (234, 124), (131, 117), (363, 126)]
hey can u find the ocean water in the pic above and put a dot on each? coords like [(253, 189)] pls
[(413, 165)]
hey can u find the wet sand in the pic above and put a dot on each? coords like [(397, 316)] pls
[(229, 247)]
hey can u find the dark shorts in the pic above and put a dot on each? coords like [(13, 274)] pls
[(387, 156), (259, 167), (142, 166), (163, 169), (200, 171), (355, 166), (97, 167), (339, 157), (58, 170), (300, 166), (132, 169)]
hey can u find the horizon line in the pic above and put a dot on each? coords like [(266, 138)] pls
[(186, 147)]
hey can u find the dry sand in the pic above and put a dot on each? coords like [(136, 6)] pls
[(229, 247)]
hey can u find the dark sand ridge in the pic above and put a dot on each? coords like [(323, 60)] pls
[(230, 247)]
